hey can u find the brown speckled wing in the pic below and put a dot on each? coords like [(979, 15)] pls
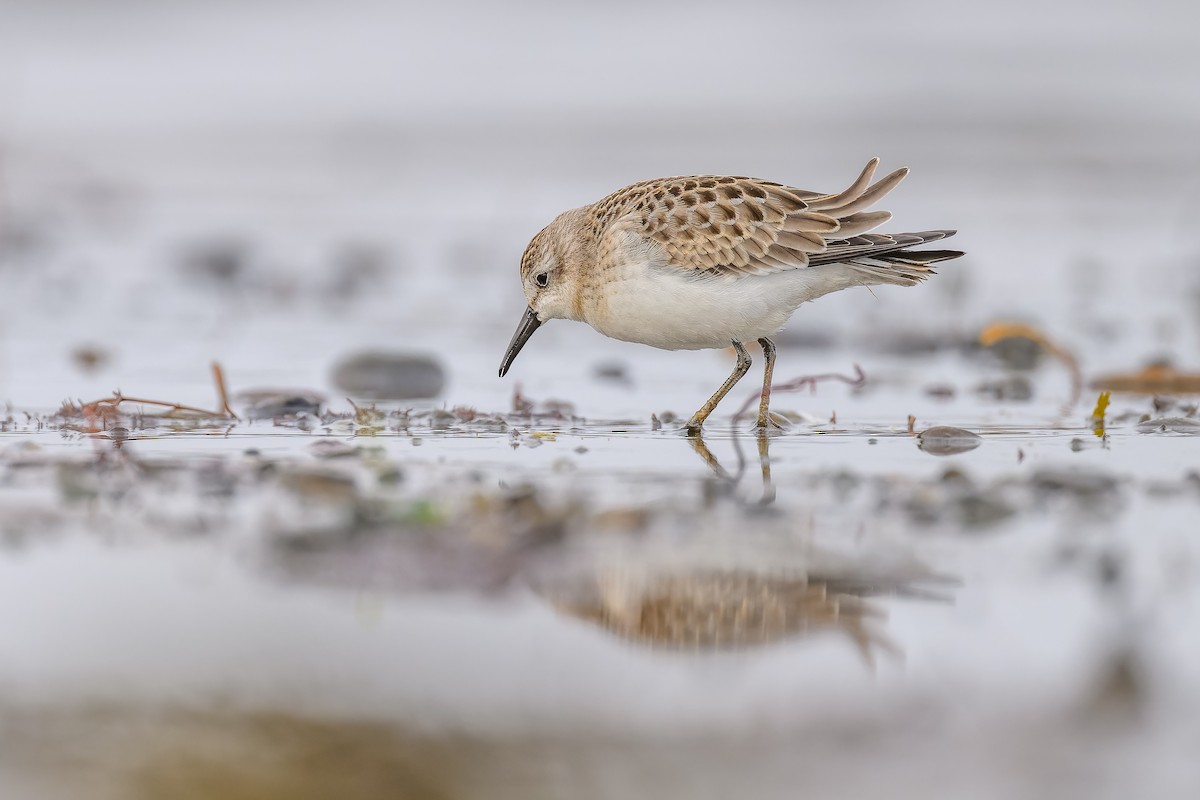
[(742, 226)]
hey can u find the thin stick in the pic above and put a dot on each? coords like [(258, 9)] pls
[(811, 381), (222, 395), (118, 398)]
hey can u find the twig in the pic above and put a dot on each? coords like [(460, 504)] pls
[(97, 406), (811, 381), (222, 395), (109, 407)]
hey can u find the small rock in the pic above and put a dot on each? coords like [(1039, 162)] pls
[(943, 440), (389, 376)]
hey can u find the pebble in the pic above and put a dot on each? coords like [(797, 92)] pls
[(943, 440)]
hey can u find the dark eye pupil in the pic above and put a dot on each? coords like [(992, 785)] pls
[(542, 279)]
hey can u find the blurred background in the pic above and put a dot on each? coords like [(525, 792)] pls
[(276, 184), (443, 596)]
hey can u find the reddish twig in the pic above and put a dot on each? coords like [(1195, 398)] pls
[(811, 381), (110, 403), (108, 408), (222, 395)]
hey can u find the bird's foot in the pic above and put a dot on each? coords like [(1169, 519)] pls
[(771, 422)]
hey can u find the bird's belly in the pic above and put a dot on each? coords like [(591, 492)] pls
[(673, 311)]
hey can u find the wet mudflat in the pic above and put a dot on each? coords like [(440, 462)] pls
[(354, 563), (437, 602)]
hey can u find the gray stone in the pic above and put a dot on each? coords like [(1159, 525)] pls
[(389, 376), (943, 440)]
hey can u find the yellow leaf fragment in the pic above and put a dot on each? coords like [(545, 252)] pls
[(1098, 413)]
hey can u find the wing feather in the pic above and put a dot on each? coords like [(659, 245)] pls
[(740, 226)]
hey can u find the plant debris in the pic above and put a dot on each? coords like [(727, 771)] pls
[(999, 331), (1158, 377)]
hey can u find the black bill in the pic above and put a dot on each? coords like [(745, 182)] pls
[(529, 323)]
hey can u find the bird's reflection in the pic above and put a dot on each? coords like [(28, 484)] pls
[(762, 441), (712, 611), (735, 592)]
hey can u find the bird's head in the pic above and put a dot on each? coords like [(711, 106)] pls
[(551, 272)]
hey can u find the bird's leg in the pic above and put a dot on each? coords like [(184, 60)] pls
[(697, 442), (743, 366), (764, 461), (764, 418)]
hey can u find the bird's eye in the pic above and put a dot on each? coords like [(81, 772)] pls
[(542, 278)]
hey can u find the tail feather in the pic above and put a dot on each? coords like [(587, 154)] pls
[(886, 259), (833, 229)]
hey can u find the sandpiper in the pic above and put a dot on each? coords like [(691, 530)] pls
[(710, 261)]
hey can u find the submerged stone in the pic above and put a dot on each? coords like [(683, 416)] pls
[(389, 376)]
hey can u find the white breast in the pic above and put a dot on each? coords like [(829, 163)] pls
[(650, 303)]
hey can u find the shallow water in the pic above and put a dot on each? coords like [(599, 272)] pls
[(466, 597), (445, 611)]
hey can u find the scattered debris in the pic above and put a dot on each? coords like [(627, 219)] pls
[(104, 413), (999, 331), (545, 411), (1158, 377)]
